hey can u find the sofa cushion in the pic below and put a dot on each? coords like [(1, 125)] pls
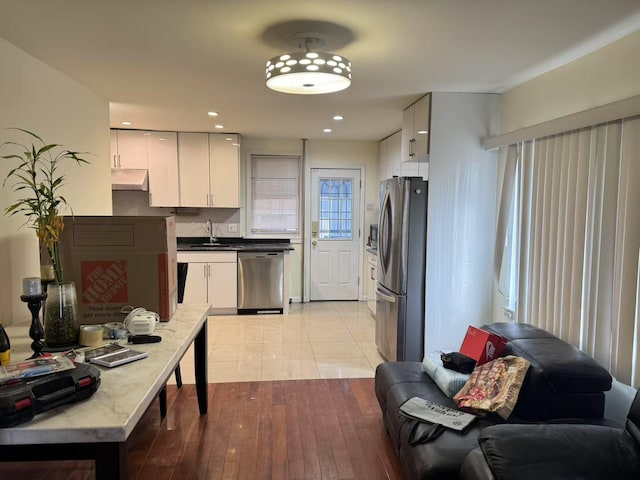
[(559, 451), (562, 381), (564, 367), (390, 373), (440, 458), (633, 419), (514, 331)]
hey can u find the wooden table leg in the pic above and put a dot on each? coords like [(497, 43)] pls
[(201, 363)]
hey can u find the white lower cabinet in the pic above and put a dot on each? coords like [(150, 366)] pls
[(211, 278)]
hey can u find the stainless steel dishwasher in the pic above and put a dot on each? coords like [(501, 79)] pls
[(260, 282)]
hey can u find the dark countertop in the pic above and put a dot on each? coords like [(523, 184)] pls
[(201, 244)]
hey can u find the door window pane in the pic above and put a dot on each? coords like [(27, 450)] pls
[(336, 207)]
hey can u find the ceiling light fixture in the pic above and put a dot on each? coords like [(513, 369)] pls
[(212, 114), (219, 126), (308, 72), (327, 130), (337, 118), (125, 123)]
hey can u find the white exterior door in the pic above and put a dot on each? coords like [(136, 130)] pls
[(335, 234)]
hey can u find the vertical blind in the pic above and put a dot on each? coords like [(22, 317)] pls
[(580, 239)]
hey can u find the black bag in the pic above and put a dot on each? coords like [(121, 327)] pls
[(458, 361)]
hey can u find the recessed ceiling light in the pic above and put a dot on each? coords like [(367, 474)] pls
[(338, 117), (219, 126), (125, 123), (327, 130), (212, 114), (423, 132)]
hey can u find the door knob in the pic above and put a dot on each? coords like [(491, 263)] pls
[(314, 243)]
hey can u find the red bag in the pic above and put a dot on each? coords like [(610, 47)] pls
[(481, 345)]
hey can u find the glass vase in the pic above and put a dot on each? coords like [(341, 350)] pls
[(61, 315)]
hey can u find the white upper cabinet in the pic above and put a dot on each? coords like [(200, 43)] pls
[(389, 161), (416, 131), (129, 149), (224, 151), (209, 166), (193, 160), (163, 169)]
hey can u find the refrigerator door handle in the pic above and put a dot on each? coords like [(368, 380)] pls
[(384, 233), (385, 297)]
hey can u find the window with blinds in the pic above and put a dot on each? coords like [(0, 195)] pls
[(579, 238), (275, 195)]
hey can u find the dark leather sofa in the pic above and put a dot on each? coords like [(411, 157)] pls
[(560, 451), (561, 383)]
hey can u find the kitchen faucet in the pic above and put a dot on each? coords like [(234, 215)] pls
[(210, 231)]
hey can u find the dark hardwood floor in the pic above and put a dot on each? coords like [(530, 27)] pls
[(296, 429)]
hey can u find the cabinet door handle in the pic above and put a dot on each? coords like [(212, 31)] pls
[(412, 143), (119, 164), (115, 164)]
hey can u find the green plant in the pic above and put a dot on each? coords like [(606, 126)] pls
[(38, 179)]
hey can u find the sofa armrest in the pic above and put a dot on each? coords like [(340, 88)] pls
[(475, 467), (558, 451)]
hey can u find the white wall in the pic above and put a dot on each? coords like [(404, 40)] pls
[(461, 217), (40, 99), (604, 76)]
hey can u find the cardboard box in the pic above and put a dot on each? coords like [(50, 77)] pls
[(120, 261), (481, 345)]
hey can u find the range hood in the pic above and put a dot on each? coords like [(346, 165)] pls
[(129, 179)]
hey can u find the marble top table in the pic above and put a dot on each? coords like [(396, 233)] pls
[(98, 428)]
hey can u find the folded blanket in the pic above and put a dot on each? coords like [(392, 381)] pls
[(449, 381)]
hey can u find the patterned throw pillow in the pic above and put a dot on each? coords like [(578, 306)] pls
[(494, 386)]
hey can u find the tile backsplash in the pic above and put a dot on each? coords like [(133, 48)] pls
[(190, 222)]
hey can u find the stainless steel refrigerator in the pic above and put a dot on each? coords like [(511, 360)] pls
[(400, 292)]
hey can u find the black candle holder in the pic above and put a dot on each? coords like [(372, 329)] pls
[(36, 330)]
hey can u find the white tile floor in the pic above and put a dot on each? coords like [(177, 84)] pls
[(316, 340)]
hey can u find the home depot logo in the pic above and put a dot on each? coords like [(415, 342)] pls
[(104, 281)]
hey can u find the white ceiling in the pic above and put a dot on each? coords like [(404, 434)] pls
[(162, 64)]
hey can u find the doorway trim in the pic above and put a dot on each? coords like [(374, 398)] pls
[(306, 241)]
